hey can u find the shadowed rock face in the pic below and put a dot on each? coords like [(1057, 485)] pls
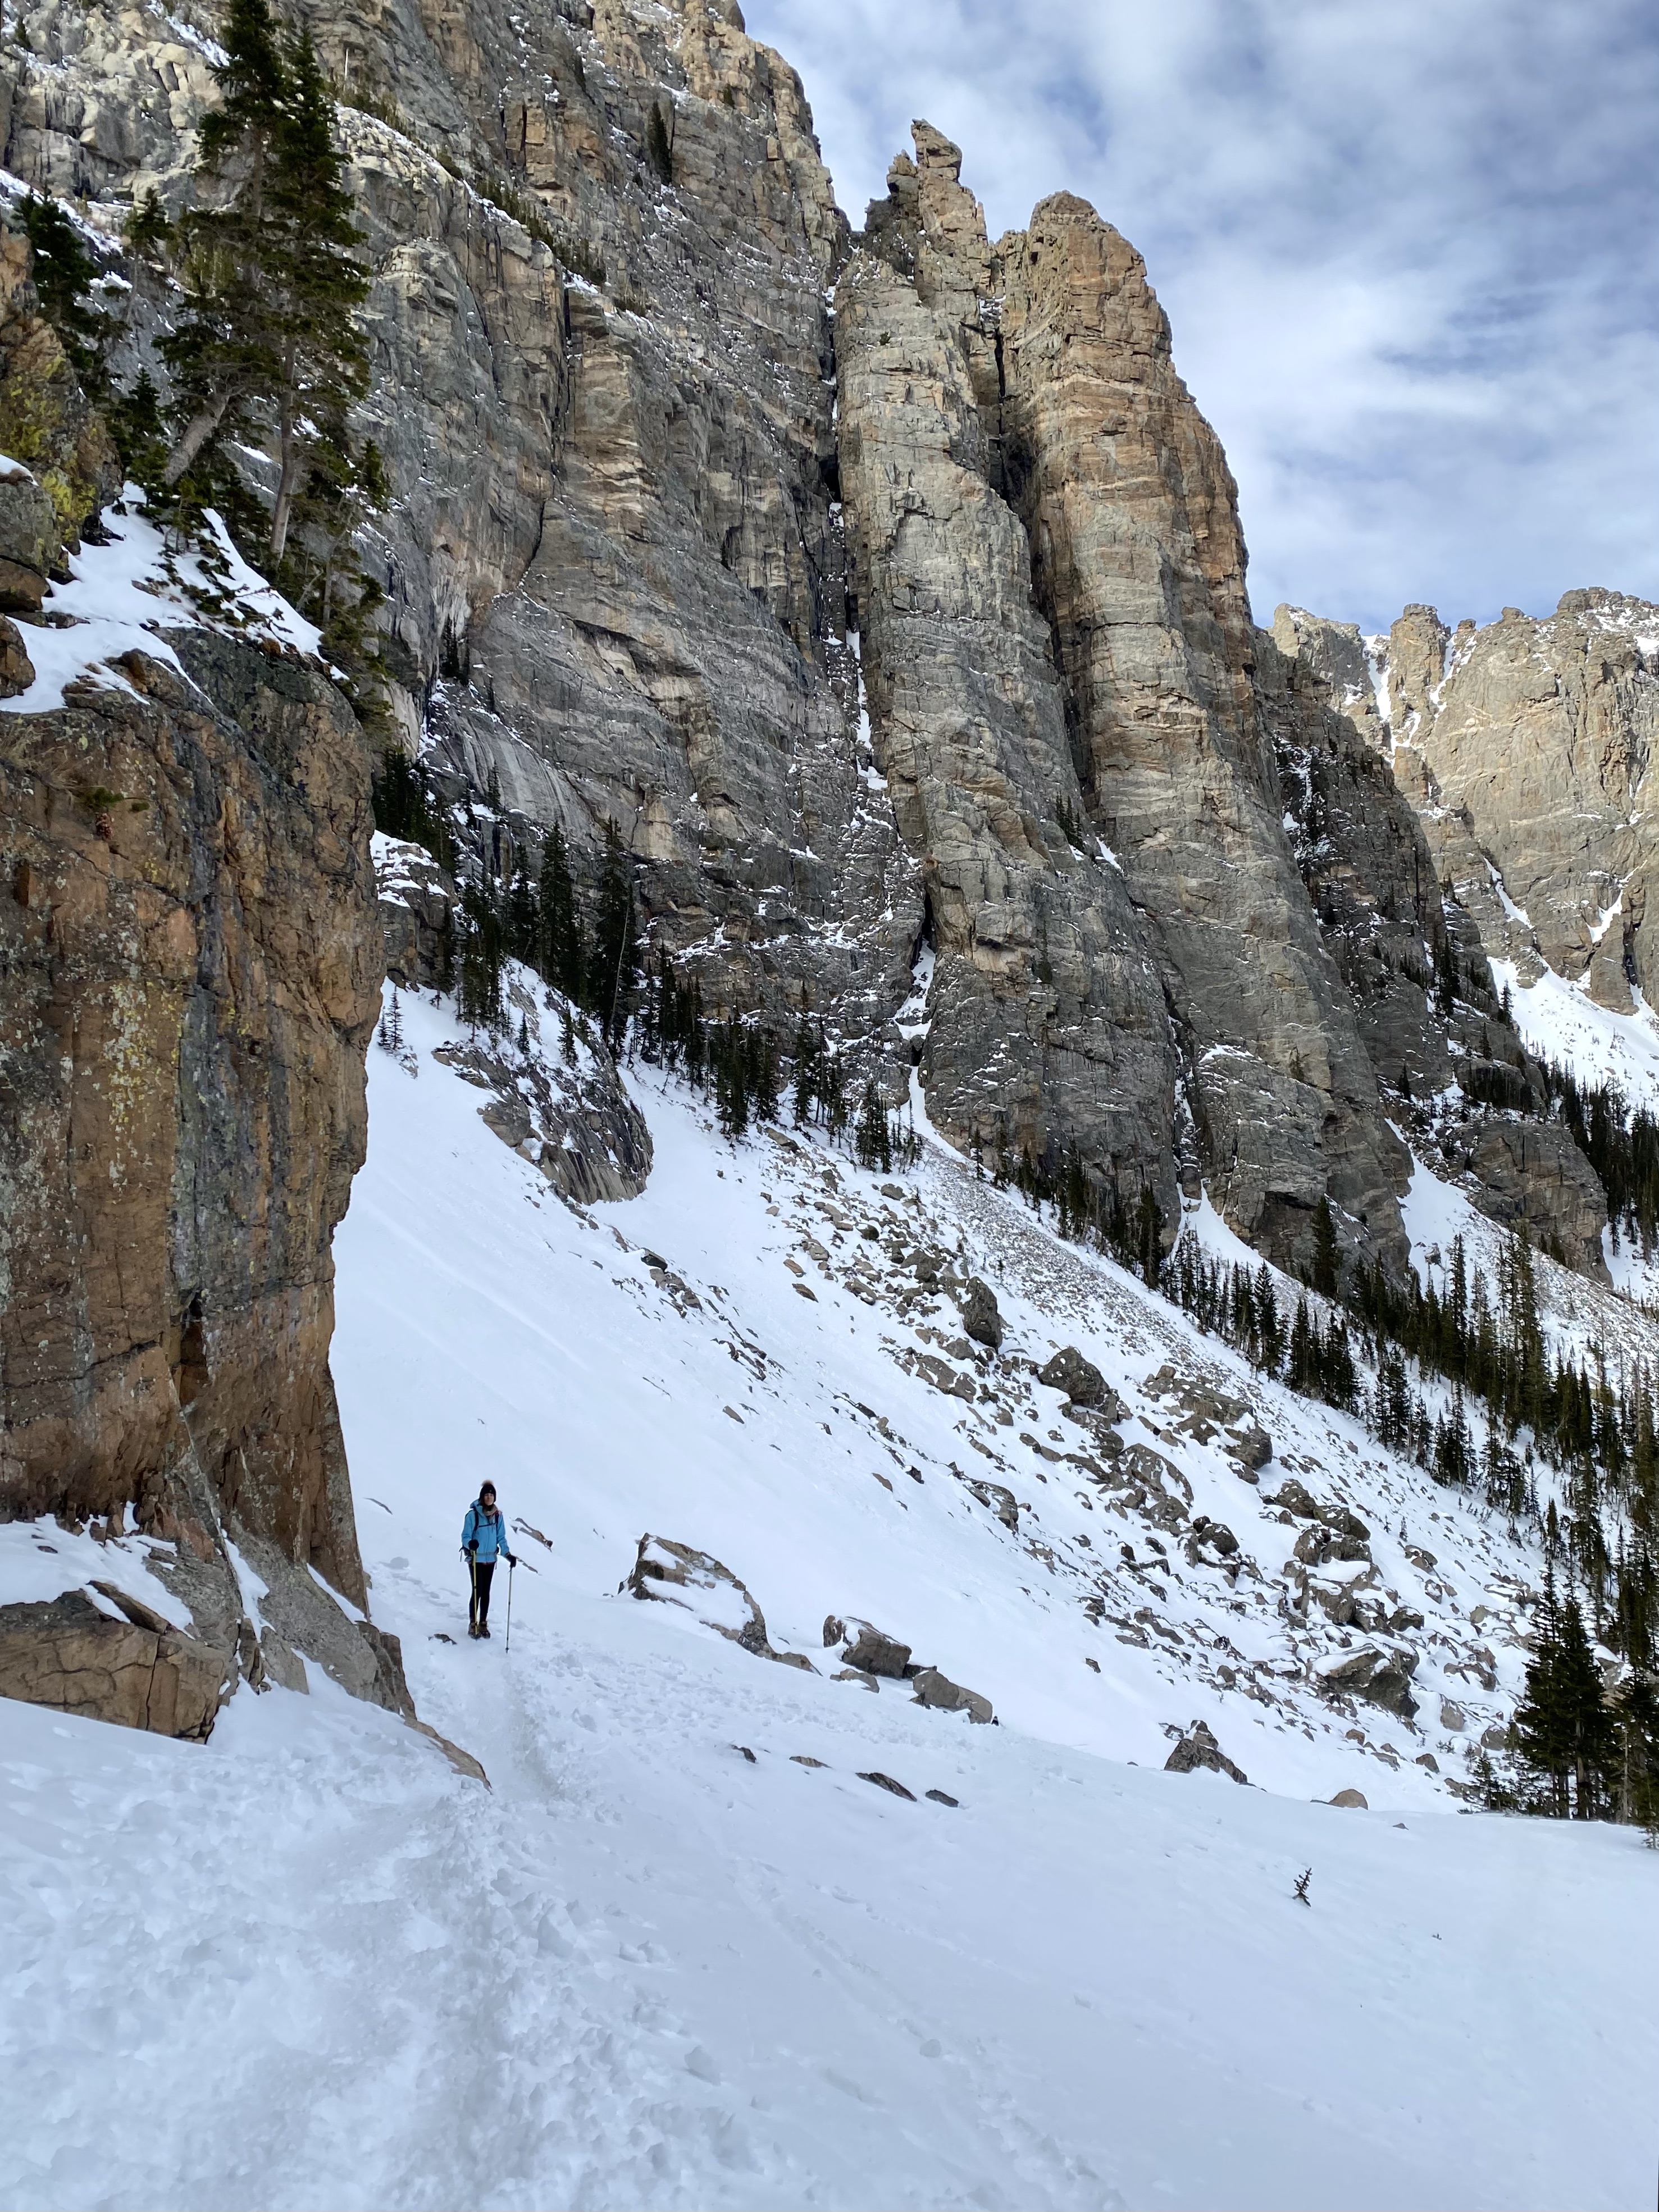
[(192, 970)]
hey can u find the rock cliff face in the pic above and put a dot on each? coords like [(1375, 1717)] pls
[(886, 592), (192, 962), (1530, 747), (1019, 455)]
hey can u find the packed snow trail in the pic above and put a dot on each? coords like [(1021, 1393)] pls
[(646, 1969)]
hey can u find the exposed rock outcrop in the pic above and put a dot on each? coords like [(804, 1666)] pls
[(1529, 748), (139, 1672), (192, 972), (678, 1574), (1198, 1750), (1019, 456)]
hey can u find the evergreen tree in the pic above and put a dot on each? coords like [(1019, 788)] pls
[(1328, 1255), (322, 360), (764, 1075), (1636, 1752), (139, 429), (613, 966), (806, 1064), (478, 949), (222, 353), (731, 1078), (1564, 1730), (63, 273), (147, 233), (831, 1087), (522, 922), (562, 961), (871, 1142)]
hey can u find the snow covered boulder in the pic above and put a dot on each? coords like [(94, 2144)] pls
[(1204, 1409), (678, 1575), (1198, 1748), (980, 1318), (939, 1690), (129, 1665), (1000, 1500), (1080, 1379), (872, 1651), (1380, 1677)]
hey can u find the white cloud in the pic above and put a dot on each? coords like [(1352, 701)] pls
[(1408, 251)]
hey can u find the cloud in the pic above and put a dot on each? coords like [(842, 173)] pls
[(1408, 253)]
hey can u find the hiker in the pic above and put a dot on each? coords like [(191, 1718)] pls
[(483, 1541)]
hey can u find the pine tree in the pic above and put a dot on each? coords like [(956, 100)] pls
[(63, 273), (870, 1134), (522, 921), (731, 1079), (831, 1087), (613, 966), (562, 961), (1564, 1728), (147, 233), (764, 1075), (1636, 1753), (323, 359), (268, 341), (806, 1072), (222, 353), (1327, 1254), (139, 429)]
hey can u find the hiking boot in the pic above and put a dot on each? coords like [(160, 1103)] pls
[(484, 1630), (473, 1628)]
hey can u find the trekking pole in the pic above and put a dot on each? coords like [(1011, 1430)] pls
[(512, 1569)]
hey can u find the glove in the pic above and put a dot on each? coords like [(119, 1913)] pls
[(472, 1550), (512, 1558)]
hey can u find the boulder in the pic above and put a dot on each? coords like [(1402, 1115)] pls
[(17, 669), (138, 1671), (678, 1575), (932, 1688), (1252, 1444), (980, 1317), (1080, 1379), (1215, 1535), (1380, 1677), (894, 1788), (1198, 1748), (1314, 1546), (1002, 1502), (871, 1652), (1293, 1497), (1351, 1800)]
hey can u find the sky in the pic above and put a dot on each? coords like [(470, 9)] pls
[(1409, 250)]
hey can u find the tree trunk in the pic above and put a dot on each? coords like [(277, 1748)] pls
[(200, 428), (288, 447)]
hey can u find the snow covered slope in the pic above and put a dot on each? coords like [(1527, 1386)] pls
[(648, 1968)]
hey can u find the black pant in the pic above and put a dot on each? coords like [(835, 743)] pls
[(482, 1575)]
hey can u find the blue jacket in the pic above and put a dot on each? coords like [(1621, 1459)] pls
[(488, 1531)]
